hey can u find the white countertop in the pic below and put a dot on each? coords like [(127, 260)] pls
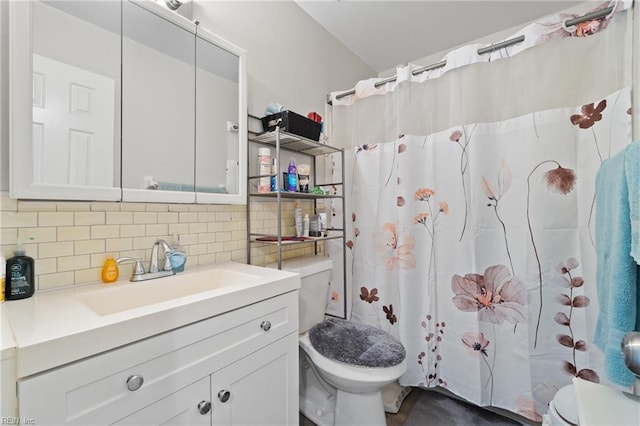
[(56, 327), (7, 342), (604, 405)]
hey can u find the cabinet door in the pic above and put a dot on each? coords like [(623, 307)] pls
[(188, 406), (260, 389)]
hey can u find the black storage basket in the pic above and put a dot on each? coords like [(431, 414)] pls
[(294, 123)]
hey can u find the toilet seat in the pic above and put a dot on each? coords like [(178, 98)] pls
[(356, 344), (356, 373), (563, 409)]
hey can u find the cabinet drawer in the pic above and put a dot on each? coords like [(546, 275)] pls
[(95, 390)]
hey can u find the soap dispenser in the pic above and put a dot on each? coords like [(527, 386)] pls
[(20, 275), (178, 255)]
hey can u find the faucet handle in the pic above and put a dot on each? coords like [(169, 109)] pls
[(138, 269)]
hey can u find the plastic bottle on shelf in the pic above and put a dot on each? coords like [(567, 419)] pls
[(264, 168), (110, 271), (19, 282), (298, 219), (292, 176), (2, 276), (274, 173), (305, 226), (314, 227)]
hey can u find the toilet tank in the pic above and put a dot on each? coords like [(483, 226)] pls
[(313, 296)]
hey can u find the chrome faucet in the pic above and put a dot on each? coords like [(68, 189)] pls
[(153, 265), (139, 274)]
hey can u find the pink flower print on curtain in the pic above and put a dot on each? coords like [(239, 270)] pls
[(496, 295), (397, 253)]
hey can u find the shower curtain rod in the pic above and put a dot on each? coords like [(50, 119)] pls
[(482, 51)]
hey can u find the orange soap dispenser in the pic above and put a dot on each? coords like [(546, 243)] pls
[(110, 270)]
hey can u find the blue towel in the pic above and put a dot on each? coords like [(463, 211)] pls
[(617, 202)]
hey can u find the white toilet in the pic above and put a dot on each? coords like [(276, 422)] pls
[(563, 410), (343, 371)]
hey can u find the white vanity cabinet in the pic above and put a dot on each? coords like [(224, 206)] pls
[(239, 367)]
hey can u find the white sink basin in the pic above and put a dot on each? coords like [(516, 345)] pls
[(125, 296)]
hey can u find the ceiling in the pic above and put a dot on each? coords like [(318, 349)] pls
[(387, 33)]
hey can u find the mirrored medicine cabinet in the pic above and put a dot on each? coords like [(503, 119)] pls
[(124, 101)]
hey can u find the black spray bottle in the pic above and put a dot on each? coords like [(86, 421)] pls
[(20, 275)]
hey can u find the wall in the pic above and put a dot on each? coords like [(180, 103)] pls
[(291, 60)]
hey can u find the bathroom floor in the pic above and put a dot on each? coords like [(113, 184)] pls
[(430, 408)]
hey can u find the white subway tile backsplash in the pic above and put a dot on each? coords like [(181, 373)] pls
[(223, 236), (223, 216), (8, 204), (73, 207), (157, 207), (73, 233), (72, 263), (72, 239), (143, 243), (59, 279), (90, 275), (39, 235), (168, 217), (46, 266), (105, 231), (102, 206), (145, 217), (37, 206), (223, 257), (89, 246), (133, 207), (186, 217), (133, 230), (54, 250), (178, 228), (178, 208), (196, 228), (90, 218), (206, 217), (119, 218), (158, 230), (10, 219), (118, 244)]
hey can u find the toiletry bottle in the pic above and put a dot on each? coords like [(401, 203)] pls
[(178, 256), (298, 219), (274, 175), (314, 228), (20, 275), (264, 168), (110, 271), (305, 226), (2, 276), (292, 176)]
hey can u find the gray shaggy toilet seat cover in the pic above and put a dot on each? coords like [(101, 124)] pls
[(356, 344)]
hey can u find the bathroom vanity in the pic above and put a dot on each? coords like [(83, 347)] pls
[(213, 345)]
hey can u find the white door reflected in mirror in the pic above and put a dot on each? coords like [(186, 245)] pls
[(73, 124)]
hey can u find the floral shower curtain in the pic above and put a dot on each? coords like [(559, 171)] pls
[(470, 203)]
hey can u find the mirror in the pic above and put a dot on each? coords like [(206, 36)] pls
[(151, 108), (218, 114), (66, 139), (158, 106)]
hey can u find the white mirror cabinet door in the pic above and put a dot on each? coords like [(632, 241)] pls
[(65, 100), (124, 101)]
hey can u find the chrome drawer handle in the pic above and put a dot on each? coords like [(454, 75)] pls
[(224, 395), (134, 382), (204, 407), (265, 325)]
